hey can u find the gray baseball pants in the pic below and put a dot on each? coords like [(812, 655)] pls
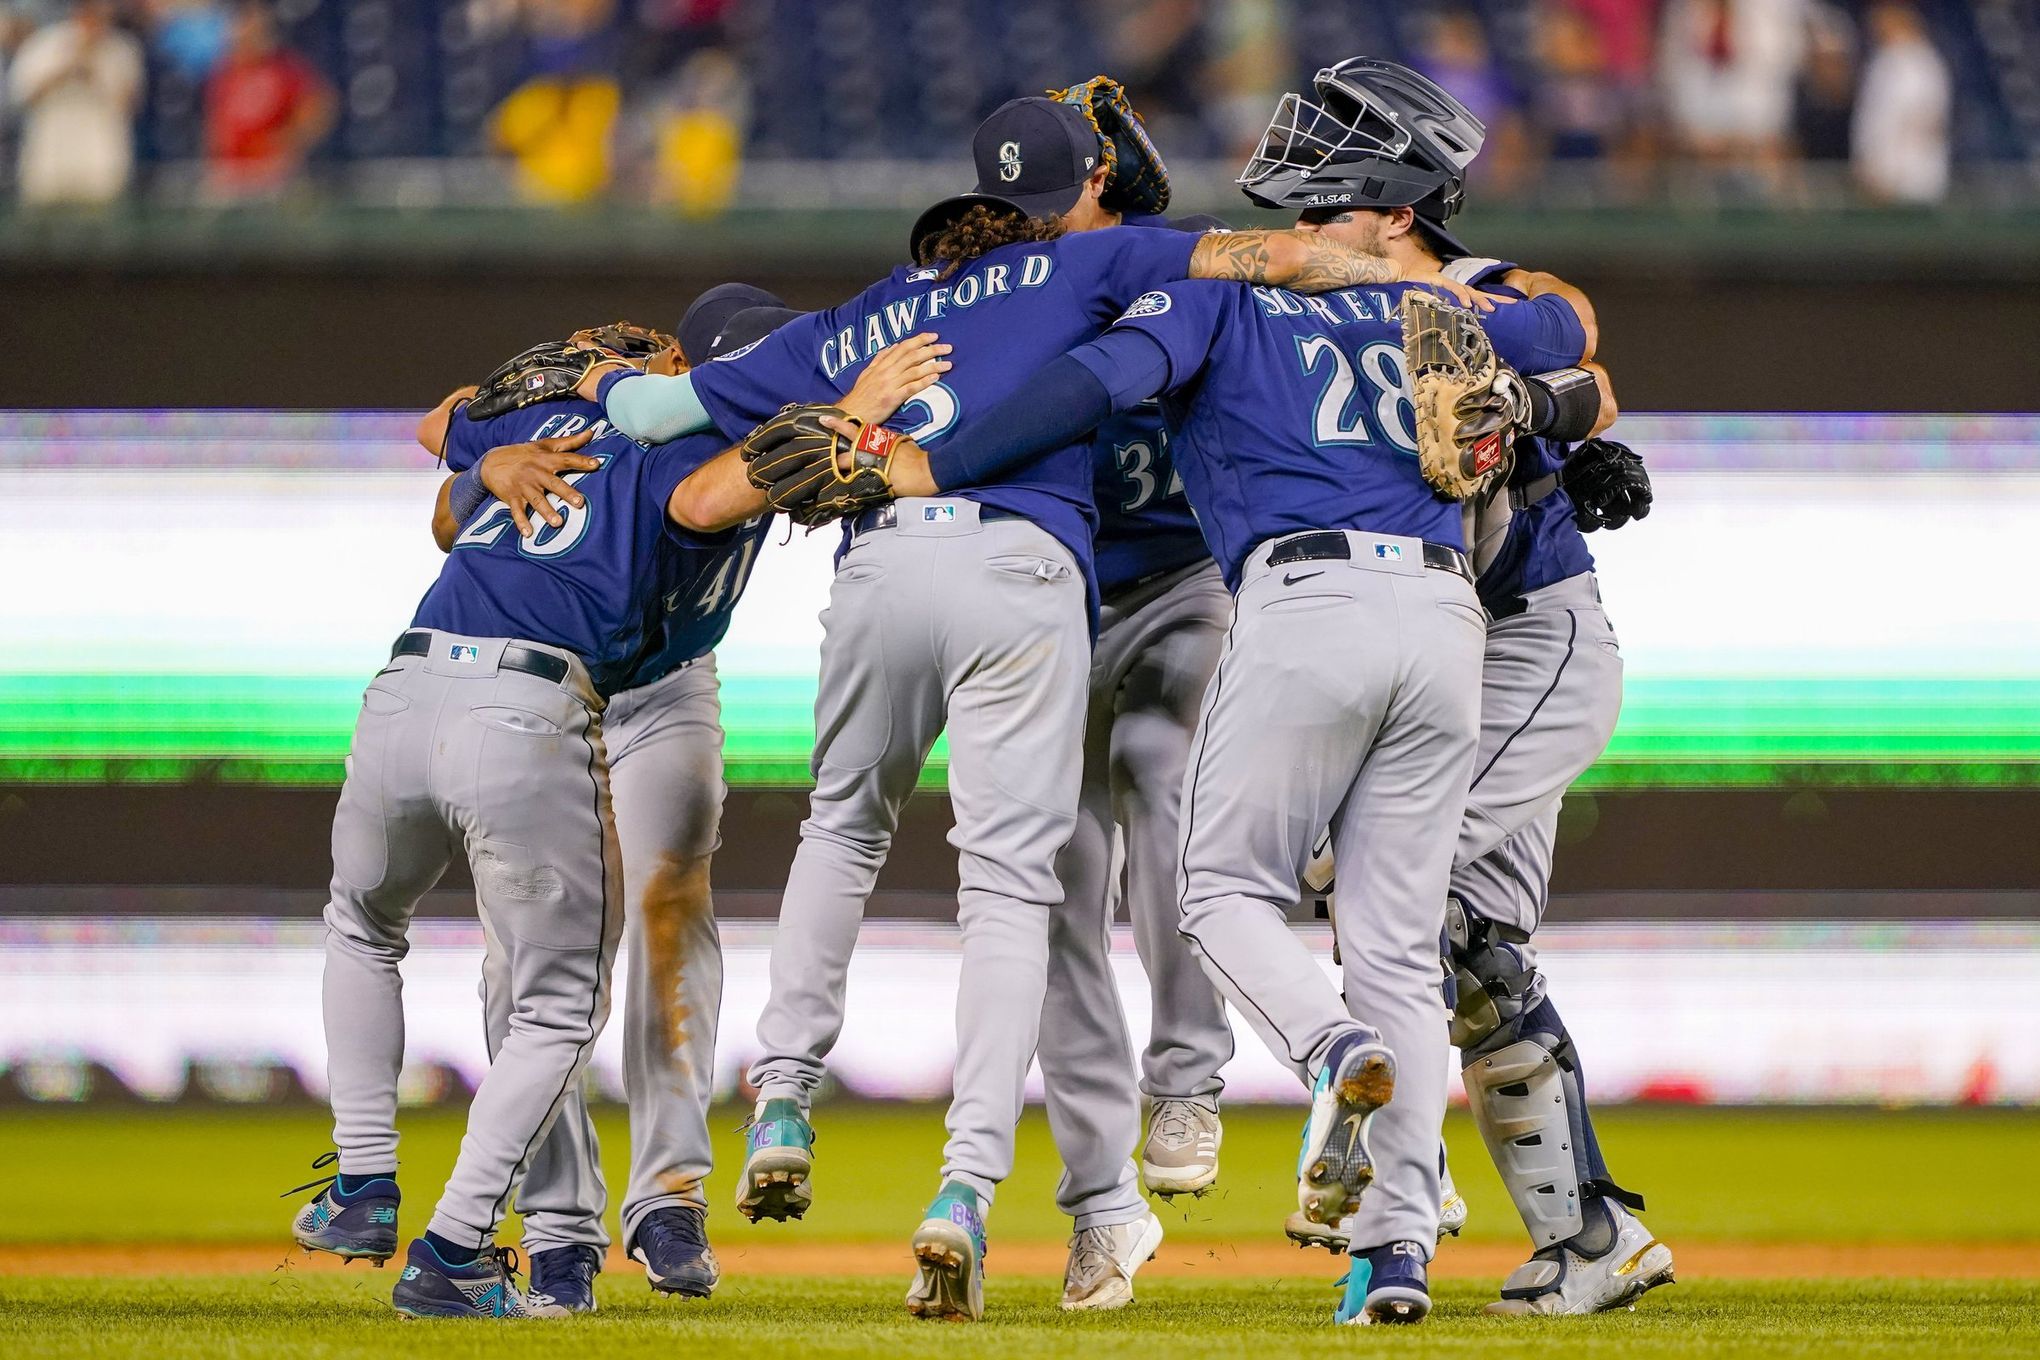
[(1157, 646), (453, 753), (665, 744), (980, 624), (1348, 695), (1551, 690)]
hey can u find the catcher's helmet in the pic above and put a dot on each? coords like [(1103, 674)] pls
[(1377, 135)]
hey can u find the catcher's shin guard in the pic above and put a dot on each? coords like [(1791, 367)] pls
[(1524, 1083)]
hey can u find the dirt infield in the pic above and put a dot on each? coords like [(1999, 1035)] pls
[(1186, 1259)]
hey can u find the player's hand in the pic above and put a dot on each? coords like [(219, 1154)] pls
[(526, 476), (591, 381), (908, 470), (897, 374), (1459, 292)]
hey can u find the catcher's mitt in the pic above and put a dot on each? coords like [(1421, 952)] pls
[(1137, 181), (1469, 404), (1608, 484), (815, 475)]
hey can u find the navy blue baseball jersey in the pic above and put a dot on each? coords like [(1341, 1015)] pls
[(1007, 313), (1293, 413), (698, 582), (1145, 526), (593, 586), (1541, 546)]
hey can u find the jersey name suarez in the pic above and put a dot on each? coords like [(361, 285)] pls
[(1293, 413), (591, 586), (1541, 546), (1007, 313), (1145, 526)]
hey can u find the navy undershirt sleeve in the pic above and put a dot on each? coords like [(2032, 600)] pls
[(1066, 399)]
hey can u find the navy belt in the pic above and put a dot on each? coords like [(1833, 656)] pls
[(526, 660), (887, 516), (1333, 544)]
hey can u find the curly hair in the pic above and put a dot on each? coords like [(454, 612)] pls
[(982, 228)]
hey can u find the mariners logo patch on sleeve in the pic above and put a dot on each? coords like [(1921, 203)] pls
[(1147, 304)]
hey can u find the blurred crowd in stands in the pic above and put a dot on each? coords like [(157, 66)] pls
[(666, 101)]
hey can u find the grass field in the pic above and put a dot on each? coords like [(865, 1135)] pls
[(112, 1224)]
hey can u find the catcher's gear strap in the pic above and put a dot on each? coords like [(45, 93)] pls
[(1136, 181), (1564, 404)]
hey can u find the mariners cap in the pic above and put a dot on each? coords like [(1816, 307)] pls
[(748, 327), (711, 312), (1032, 155)]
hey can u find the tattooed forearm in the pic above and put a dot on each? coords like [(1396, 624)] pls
[(1304, 262)]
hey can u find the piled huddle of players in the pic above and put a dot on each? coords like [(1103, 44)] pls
[(1326, 662)]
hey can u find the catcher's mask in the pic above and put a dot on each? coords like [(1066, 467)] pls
[(1376, 135)]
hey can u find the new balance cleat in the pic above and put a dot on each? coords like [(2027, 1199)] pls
[(1103, 1262), (430, 1288), (1560, 1282), (1180, 1156), (1335, 1166), (563, 1281), (949, 1251), (361, 1226), (778, 1163), (1385, 1285), (672, 1245)]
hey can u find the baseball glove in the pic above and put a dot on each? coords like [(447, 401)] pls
[(1469, 404), (626, 338), (552, 369), (813, 474), (1136, 180), (1608, 484)]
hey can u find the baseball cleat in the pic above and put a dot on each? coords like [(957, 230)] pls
[(949, 1247), (1337, 1240), (1180, 1156), (1103, 1262), (1334, 1166), (430, 1288), (563, 1280), (1559, 1282), (357, 1227), (672, 1245), (1452, 1211), (1385, 1285), (779, 1161)]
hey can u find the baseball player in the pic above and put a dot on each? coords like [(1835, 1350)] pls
[(664, 733), (970, 610), (1348, 692), (1551, 687), (1163, 611), (485, 734)]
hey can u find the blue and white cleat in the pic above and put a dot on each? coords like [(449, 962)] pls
[(949, 1283), (563, 1281), (672, 1245), (357, 1227), (1386, 1285), (1334, 1166), (778, 1162), (430, 1288)]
